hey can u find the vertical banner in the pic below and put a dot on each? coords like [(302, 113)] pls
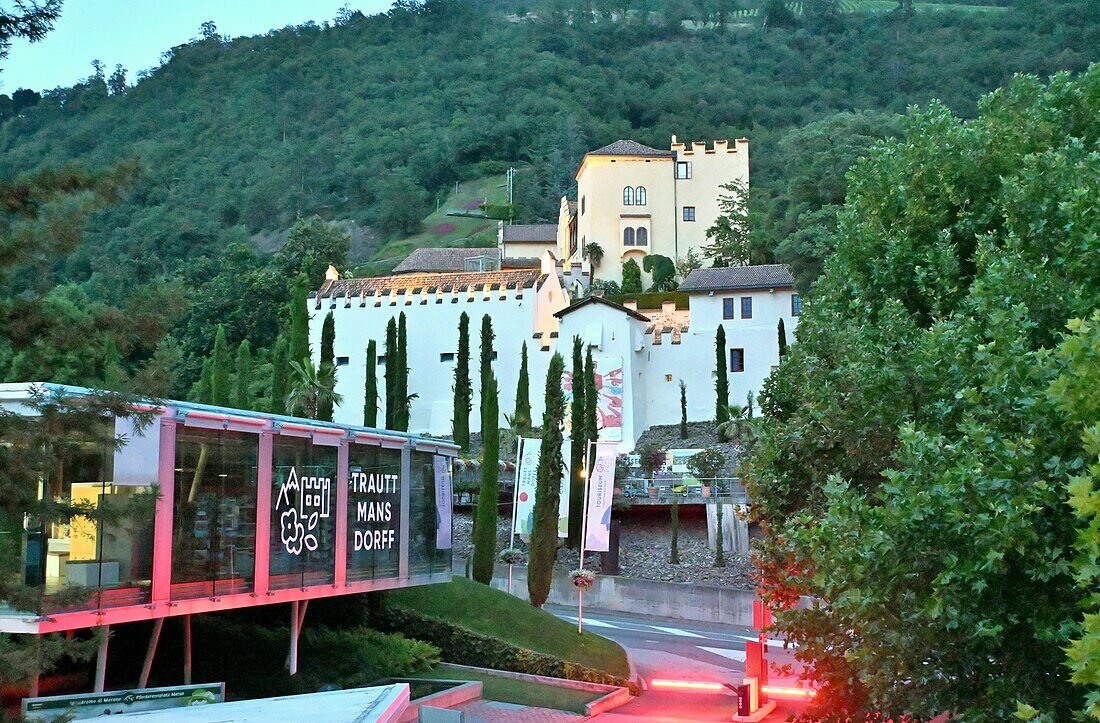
[(597, 537), (563, 490), (527, 467), (443, 498)]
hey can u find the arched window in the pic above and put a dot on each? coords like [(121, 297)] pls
[(639, 195), (628, 236), (643, 237), (628, 196)]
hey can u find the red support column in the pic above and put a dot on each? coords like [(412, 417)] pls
[(263, 512), (163, 514), (341, 515)]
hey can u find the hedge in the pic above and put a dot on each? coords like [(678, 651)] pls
[(461, 645), (651, 300)]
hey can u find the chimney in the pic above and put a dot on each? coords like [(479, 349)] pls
[(331, 274)]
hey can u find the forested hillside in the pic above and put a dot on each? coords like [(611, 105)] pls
[(371, 119)]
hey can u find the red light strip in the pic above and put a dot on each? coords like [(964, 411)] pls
[(226, 418), (781, 691), (686, 685)]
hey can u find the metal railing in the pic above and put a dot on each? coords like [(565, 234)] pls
[(668, 487)]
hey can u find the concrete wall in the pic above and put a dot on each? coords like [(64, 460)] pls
[(684, 601)]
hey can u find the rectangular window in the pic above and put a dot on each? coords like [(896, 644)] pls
[(689, 213), (214, 517), (796, 305), (746, 307), (683, 170), (728, 308), (374, 512), (737, 360), (446, 357), (424, 520), (303, 526), (341, 361)]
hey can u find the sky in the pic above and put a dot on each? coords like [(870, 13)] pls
[(135, 33)]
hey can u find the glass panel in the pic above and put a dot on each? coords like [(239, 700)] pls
[(423, 556), (374, 512), (98, 551), (214, 522), (303, 527)]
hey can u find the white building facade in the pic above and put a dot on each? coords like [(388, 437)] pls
[(531, 286)]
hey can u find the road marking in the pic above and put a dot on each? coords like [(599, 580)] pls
[(677, 631), (592, 622), (738, 655), (771, 643)]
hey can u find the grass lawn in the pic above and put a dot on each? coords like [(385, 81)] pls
[(500, 615), (520, 692)]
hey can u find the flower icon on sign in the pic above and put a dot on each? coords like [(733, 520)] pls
[(293, 532)]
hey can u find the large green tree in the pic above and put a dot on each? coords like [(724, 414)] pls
[(577, 444), (312, 245), (327, 368), (370, 386), (463, 387), (911, 471), (521, 417), (242, 397), (392, 372), (221, 371), (721, 378), (544, 533), (488, 496)]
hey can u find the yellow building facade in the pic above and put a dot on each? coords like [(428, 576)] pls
[(635, 201)]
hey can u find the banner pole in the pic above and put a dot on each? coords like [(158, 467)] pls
[(584, 530), (515, 507)]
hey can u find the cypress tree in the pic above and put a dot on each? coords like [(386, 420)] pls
[(544, 535), (781, 332), (112, 366), (719, 537), (401, 390), (222, 364), (522, 416), (279, 362), (485, 526), (327, 368), (463, 400), (299, 320), (206, 383), (243, 398), (370, 387), (591, 401), (748, 406), (391, 371), (487, 337), (577, 446), (721, 382), (683, 410)]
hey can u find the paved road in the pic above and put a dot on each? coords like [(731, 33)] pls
[(669, 649)]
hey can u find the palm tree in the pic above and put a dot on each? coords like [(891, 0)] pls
[(738, 427), (594, 253), (309, 388)]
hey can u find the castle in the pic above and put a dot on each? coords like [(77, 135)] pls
[(632, 201)]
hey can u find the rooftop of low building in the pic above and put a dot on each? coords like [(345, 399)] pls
[(735, 278), (429, 283), (630, 148), (442, 259), (531, 233)]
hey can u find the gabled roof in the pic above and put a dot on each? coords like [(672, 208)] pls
[(600, 300), (531, 233), (765, 276), (630, 148), (427, 260)]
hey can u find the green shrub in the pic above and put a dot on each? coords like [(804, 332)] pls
[(353, 658), (652, 299)]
